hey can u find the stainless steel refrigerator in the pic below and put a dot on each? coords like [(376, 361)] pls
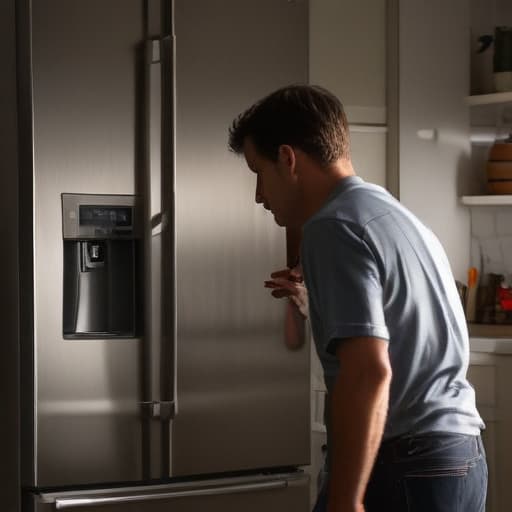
[(147, 362)]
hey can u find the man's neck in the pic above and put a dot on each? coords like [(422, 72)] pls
[(318, 183)]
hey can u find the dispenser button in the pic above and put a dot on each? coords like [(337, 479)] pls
[(95, 252), (93, 255)]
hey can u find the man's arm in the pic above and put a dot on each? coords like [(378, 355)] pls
[(358, 408)]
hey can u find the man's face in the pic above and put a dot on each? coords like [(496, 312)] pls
[(275, 187)]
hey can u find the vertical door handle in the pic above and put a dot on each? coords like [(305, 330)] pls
[(160, 398)]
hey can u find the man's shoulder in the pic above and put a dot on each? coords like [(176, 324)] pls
[(353, 209)]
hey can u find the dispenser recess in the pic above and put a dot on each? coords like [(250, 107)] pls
[(100, 244)]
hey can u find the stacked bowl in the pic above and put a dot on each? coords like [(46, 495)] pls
[(499, 168)]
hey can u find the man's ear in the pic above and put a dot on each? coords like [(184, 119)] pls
[(286, 157)]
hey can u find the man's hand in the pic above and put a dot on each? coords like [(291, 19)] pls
[(289, 283)]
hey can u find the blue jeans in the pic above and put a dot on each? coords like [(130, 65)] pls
[(427, 473)]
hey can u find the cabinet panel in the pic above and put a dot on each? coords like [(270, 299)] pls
[(347, 55), (433, 63), (369, 155), (491, 375), (483, 378), (503, 428)]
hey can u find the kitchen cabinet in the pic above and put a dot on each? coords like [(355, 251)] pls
[(428, 121), (347, 55), (490, 372)]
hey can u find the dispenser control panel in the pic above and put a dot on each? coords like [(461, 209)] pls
[(99, 216), (106, 216)]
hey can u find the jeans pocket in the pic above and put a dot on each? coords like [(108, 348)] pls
[(435, 490), (447, 487)]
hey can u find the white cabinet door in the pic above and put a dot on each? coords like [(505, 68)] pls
[(491, 376), (431, 121), (368, 144), (483, 374), (347, 55), (503, 430)]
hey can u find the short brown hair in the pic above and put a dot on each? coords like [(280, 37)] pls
[(303, 116)]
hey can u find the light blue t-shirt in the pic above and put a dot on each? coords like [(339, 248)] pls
[(373, 269)]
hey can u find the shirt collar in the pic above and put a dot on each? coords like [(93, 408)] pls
[(341, 187)]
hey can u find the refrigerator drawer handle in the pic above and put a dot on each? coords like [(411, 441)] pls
[(67, 503)]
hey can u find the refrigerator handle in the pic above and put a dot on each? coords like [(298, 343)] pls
[(70, 503), (160, 401)]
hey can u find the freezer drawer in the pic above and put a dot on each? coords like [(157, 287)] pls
[(250, 494)]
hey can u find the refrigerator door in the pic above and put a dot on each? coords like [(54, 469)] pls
[(277, 494), (81, 403), (243, 397)]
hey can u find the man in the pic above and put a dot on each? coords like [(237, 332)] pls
[(403, 429)]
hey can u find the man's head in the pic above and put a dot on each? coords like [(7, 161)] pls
[(302, 116), (293, 129)]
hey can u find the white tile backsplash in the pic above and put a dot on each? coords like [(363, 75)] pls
[(504, 222), (491, 242), (492, 255), (483, 222)]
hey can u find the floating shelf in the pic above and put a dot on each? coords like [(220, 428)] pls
[(489, 99), (494, 331), (496, 200)]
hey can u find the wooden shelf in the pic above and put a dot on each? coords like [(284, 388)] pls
[(492, 331), (489, 99), (495, 200)]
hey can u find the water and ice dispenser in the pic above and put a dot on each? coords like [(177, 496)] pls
[(101, 267)]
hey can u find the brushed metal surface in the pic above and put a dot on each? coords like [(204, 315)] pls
[(272, 493), (86, 69), (69, 503), (243, 396)]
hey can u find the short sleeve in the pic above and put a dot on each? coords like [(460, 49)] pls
[(344, 287)]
